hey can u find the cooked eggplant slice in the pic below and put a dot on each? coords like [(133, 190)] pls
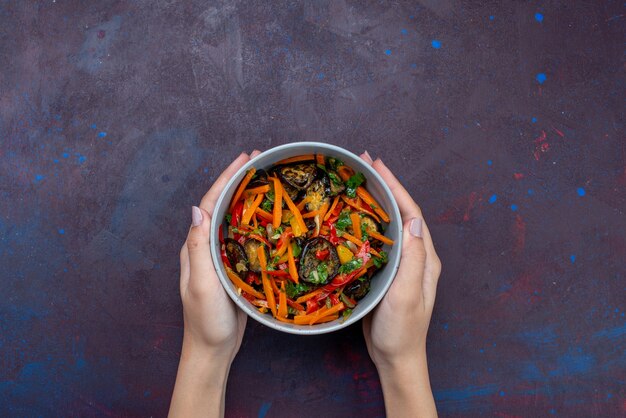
[(336, 186), (250, 247), (236, 255), (259, 179), (370, 223), (300, 176), (291, 191), (317, 194), (319, 261), (358, 288)]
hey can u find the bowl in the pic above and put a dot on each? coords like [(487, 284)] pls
[(374, 184)]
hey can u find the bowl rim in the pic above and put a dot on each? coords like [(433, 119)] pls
[(268, 320)]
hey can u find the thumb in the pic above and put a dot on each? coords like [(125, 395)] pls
[(199, 247), (411, 272)]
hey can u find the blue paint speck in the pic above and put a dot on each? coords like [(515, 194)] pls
[(553, 411), (56, 160), (482, 350), (572, 258), (320, 76), (534, 120), (82, 159), (492, 17), (93, 126), (580, 191), (388, 51), (65, 155), (264, 408), (102, 134), (146, 393), (413, 65), (436, 44), (501, 393), (39, 177), (609, 395), (541, 77), (538, 17), (489, 163), (445, 326), (61, 231), (531, 192), (206, 169), (493, 198), (513, 207), (404, 31)]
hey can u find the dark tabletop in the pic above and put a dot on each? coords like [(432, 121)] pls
[(504, 120)]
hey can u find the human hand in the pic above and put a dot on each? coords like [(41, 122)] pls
[(214, 326), (395, 333)]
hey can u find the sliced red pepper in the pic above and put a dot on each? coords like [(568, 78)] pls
[(282, 266), (333, 235), (311, 306), (278, 273), (252, 277), (260, 238), (235, 218), (322, 254), (364, 252), (225, 259), (334, 300), (220, 232)]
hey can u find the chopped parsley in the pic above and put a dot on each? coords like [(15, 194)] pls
[(335, 178), (354, 182), (343, 222), (364, 231), (320, 274), (350, 266), (334, 163), (346, 314), (295, 289), (266, 205), (296, 249), (229, 217), (379, 261)]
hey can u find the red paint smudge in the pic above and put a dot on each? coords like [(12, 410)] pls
[(518, 176), (519, 233), (559, 133), (541, 145), (461, 209), (101, 34)]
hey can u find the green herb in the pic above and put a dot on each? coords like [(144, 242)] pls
[(266, 205), (379, 261), (229, 218), (275, 259), (320, 274), (296, 249), (328, 303), (334, 163), (350, 266), (346, 314), (343, 222), (270, 195), (364, 233), (295, 289), (322, 167), (335, 178), (354, 182)]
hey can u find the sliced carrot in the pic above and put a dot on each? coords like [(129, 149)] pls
[(358, 242), (256, 190), (243, 285), (309, 295), (356, 225), (289, 321), (311, 214), (247, 213), (255, 221), (273, 284), (319, 158), (332, 207), (296, 213), (369, 199), (295, 305), (318, 315), (345, 172), (356, 205), (241, 188), (293, 272), (278, 202), (328, 318), (380, 237), (306, 157), (267, 285), (282, 302), (303, 202), (263, 214)]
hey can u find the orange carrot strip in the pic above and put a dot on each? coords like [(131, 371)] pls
[(255, 221), (263, 214), (356, 225), (369, 199), (306, 157), (256, 190), (282, 302), (317, 315), (332, 208), (345, 172), (243, 285), (328, 318), (267, 285), (380, 237), (319, 158), (303, 202), (289, 321), (278, 202), (293, 272), (273, 283), (309, 295), (296, 213), (247, 213), (295, 305), (358, 242), (241, 188), (355, 204), (311, 214)]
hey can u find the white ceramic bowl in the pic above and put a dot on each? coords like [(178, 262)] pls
[(374, 184)]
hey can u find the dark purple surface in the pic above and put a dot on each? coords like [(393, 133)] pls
[(505, 121)]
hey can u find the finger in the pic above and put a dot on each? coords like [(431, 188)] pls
[(210, 198), (366, 156), (199, 249), (184, 268), (254, 153), (411, 272)]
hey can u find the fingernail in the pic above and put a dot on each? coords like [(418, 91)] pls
[(196, 216), (415, 228), (367, 154)]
